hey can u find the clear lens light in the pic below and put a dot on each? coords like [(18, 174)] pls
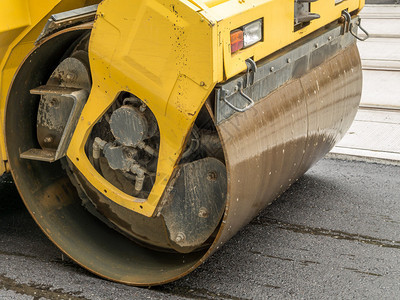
[(252, 33)]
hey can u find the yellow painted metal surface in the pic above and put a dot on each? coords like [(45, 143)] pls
[(171, 54), (21, 22), (167, 55), (278, 16)]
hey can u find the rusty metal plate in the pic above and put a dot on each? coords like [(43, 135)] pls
[(196, 203)]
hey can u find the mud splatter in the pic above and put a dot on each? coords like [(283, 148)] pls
[(37, 291)]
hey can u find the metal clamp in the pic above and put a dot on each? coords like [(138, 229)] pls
[(362, 29), (240, 89), (251, 70), (346, 17), (222, 93), (67, 19), (79, 97), (348, 26)]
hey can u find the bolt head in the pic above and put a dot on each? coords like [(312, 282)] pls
[(212, 176), (48, 139), (180, 237), (203, 212), (54, 102)]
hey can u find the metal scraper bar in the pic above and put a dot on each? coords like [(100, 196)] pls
[(277, 69)]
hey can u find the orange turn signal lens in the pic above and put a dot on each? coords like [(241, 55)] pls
[(236, 40)]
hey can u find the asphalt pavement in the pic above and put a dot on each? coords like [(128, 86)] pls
[(334, 234)]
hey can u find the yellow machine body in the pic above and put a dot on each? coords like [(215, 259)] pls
[(178, 76), (22, 22), (172, 54)]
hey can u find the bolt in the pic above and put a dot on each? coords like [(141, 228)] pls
[(180, 237), (202, 83), (212, 176), (316, 45), (329, 38), (48, 139), (288, 60), (203, 212), (272, 69), (143, 107), (54, 102)]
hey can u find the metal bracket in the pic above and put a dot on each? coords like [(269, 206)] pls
[(302, 13), (346, 17), (346, 21), (348, 26), (251, 70), (362, 29), (222, 94), (225, 94), (79, 96), (67, 19)]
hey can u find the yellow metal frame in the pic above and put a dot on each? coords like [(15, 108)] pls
[(173, 66), (168, 53), (278, 16), (21, 22), (165, 54)]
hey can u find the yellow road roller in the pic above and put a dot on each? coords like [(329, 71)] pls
[(142, 135)]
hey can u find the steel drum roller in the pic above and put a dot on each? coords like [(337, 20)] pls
[(265, 150)]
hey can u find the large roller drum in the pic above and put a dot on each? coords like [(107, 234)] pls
[(240, 161)]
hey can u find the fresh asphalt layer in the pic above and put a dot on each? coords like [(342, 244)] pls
[(334, 234)]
